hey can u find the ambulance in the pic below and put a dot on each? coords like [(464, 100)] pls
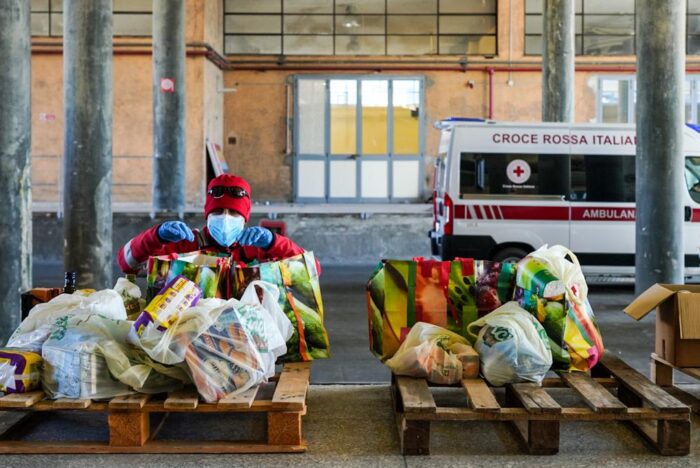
[(505, 189)]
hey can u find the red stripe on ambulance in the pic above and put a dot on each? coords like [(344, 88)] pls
[(535, 213), (551, 213)]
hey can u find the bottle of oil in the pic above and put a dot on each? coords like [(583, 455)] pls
[(69, 282)]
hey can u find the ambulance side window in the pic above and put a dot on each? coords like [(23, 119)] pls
[(513, 174), (692, 177), (602, 178)]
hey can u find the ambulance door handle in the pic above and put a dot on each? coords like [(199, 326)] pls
[(688, 213)]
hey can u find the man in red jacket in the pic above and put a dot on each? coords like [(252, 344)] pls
[(226, 210)]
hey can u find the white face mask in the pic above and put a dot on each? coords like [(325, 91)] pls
[(224, 228)]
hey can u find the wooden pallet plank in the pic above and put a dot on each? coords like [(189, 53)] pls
[(690, 371), (158, 446), (641, 386), (290, 392), (240, 401), (594, 394), (135, 401), (415, 395), (480, 396), (691, 400), (71, 403), (21, 400), (284, 428), (660, 371), (128, 428), (557, 382), (534, 398), (567, 414), (183, 399)]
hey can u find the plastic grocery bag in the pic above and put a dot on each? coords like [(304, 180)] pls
[(224, 360), (206, 270), (36, 328), (450, 294), (436, 354), (551, 286), (264, 320), (297, 280), (88, 357), (512, 346)]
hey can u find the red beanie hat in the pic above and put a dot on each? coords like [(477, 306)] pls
[(240, 205)]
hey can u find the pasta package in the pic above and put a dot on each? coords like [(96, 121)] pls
[(176, 297), (20, 370), (224, 359)]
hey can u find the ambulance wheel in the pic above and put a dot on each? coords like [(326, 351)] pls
[(509, 254)]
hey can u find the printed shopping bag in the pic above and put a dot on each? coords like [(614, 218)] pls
[(554, 290), (300, 299), (207, 271), (450, 294)]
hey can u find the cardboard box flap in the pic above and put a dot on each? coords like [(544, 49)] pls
[(649, 300), (689, 315)]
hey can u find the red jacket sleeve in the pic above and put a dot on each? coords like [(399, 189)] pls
[(282, 247), (134, 254)]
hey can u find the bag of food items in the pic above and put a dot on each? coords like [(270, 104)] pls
[(36, 328), (436, 354), (512, 346), (225, 360), (553, 289), (88, 357), (206, 270), (296, 279), (449, 294)]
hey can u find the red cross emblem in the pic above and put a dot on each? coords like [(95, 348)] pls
[(518, 171)]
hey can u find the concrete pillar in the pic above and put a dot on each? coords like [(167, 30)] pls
[(169, 106), (659, 114), (558, 56), (87, 98), (15, 165)]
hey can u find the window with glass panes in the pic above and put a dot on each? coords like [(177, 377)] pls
[(130, 18), (616, 98), (604, 27), (358, 138), (360, 27)]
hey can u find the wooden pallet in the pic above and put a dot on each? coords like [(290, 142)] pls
[(662, 375), (128, 418), (658, 416)]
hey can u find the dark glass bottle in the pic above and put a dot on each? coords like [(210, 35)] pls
[(69, 283)]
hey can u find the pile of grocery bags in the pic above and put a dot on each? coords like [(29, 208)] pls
[(222, 337), (521, 319)]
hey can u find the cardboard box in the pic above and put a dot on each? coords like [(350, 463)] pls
[(677, 321)]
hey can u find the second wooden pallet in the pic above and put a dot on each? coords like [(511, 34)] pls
[(658, 416)]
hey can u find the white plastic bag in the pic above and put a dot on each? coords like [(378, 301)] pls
[(36, 328), (224, 359), (264, 320), (571, 278), (436, 354), (512, 346), (88, 357), (168, 346)]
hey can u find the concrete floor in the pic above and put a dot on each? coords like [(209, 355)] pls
[(352, 425)]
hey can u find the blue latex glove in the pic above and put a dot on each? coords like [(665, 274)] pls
[(175, 231), (256, 236)]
